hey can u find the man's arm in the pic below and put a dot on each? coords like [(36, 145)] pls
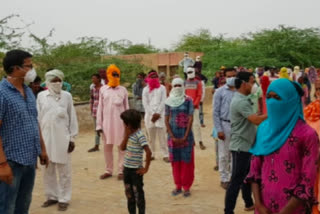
[(257, 119), (44, 160), (6, 174), (216, 105)]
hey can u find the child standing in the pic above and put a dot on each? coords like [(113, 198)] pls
[(134, 143)]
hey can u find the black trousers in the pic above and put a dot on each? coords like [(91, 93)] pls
[(133, 184), (240, 169)]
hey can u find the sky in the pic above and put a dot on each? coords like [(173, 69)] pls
[(163, 22)]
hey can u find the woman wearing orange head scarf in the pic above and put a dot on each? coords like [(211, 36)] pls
[(312, 117), (113, 100)]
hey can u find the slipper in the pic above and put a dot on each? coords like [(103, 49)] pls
[(186, 194), (49, 203), (176, 192), (105, 176), (63, 206)]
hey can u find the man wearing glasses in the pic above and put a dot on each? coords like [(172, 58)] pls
[(20, 137)]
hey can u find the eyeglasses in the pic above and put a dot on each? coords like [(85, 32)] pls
[(28, 66)]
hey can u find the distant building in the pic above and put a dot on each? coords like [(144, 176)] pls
[(162, 62)]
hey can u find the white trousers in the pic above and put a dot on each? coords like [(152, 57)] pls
[(196, 129), (55, 189), (225, 154), (162, 135)]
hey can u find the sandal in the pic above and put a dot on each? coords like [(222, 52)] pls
[(176, 192), (49, 203), (63, 206), (105, 176), (186, 193)]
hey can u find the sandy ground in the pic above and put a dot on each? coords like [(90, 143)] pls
[(92, 195)]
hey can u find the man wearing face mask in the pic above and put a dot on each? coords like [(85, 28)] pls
[(20, 136), (59, 125), (256, 98), (113, 100), (137, 89), (154, 96), (194, 90), (221, 118), (243, 131), (185, 63)]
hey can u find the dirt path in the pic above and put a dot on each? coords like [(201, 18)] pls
[(93, 196)]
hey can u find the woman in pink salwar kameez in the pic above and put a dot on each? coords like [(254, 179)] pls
[(284, 163)]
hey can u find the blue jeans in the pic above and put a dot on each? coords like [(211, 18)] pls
[(16, 198)]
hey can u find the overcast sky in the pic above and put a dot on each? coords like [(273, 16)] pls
[(163, 21)]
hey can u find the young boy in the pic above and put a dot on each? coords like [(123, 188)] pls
[(134, 143)]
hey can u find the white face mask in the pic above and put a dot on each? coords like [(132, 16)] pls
[(30, 76), (230, 81), (55, 87), (254, 88), (191, 76), (177, 91)]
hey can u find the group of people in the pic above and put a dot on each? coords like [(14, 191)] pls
[(34, 124), (267, 145)]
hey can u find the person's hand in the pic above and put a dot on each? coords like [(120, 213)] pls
[(178, 140), (155, 117), (262, 209), (142, 171), (6, 174), (99, 132), (71, 147), (221, 136), (44, 159)]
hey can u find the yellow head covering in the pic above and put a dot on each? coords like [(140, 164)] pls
[(284, 73), (113, 81)]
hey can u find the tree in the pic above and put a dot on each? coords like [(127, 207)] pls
[(10, 37)]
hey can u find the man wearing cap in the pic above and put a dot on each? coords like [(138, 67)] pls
[(113, 100), (193, 89), (59, 125), (185, 63)]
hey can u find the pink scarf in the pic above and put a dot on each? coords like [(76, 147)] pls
[(152, 82)]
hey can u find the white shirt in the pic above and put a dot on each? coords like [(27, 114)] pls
[(154, 102), (58, 121)]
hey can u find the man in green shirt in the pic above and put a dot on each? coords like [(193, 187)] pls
[(243, 132)]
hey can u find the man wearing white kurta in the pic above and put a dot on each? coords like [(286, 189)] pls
[(59, 126), (154, 96)]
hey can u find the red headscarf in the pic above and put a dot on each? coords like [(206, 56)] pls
[(265, 82), (153, 83)]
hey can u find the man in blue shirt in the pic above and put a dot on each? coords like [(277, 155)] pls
[(221, 118), (20, 137)]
